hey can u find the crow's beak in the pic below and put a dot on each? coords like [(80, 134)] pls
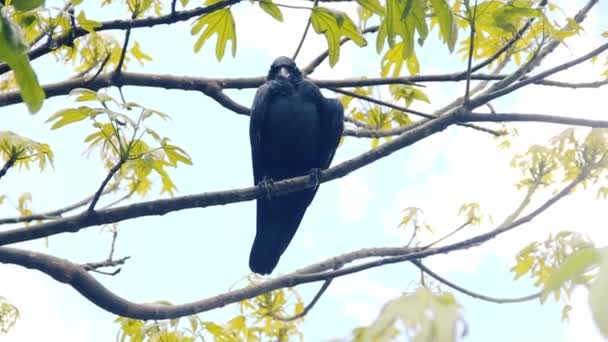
[(283, 71)]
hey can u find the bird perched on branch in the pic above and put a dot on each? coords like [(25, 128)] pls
[(294, 131)]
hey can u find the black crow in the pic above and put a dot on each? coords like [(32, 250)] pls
[(294, 131)]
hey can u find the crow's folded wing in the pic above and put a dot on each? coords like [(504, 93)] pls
[(256, 124), (332, 121)]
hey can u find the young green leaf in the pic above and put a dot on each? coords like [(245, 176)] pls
[(447, 24), (13, 52), (220, 23), (372, 5), (572, 268), (598, 295), (334, 24), (272, 9)]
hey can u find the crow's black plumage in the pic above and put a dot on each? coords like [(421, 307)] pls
[(293, 130)]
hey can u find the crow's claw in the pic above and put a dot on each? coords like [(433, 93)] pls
[(267, 184), (315, 176)]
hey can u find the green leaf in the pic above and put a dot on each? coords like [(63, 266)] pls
[(334, 24), (272, 9), (572, 268), (447, 24), (83, 94), (598, 295), (220, 23), (13, 52), (372, 5), (508, 17), (426, 317), (139, 55), (27, 5), (87, 24), (71, 115), (32, 93)]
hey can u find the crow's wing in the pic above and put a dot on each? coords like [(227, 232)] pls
[(256, 124), (332, 121)]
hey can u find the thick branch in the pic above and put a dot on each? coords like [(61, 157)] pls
[(213, 87), (163, 206)]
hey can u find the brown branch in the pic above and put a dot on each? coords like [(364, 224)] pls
[(471, 293), (163, 206), (77, 277), (213, 87)]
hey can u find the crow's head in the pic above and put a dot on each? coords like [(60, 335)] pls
[(284, 68)]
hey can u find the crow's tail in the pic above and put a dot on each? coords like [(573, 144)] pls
[(277, 222)]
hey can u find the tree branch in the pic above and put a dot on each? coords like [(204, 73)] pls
[(308, 307), (485, 98), (76, 276), (53, 214), (9, 163), (471, 293), (163, 206)]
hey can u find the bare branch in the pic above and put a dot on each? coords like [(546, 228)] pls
[(524, 117), (471, 293), (109, 176), (484, 98), (49, 215), (472, 17)]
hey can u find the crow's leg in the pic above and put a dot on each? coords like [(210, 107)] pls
[(315, 175), (267, 184)]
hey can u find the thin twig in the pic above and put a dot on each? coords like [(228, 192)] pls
[(109, 176), (57, 213), (9, 163), (103, 64), (399, 130), (308, 23), (461, 227), (471, 293), (472, 18), (309, 306), (484, 98)]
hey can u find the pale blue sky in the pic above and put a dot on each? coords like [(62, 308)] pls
[(188, 255)]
